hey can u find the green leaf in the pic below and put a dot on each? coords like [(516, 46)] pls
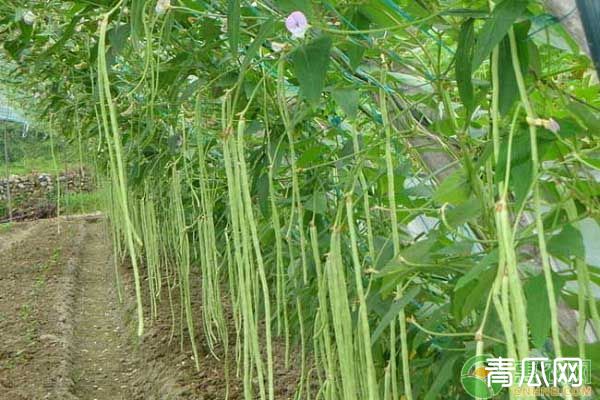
[(353, 47), (489, 259), (174, 142), (13, 47), (380, 12), (590, 229), (446, 373), (347, 99), (26, 32), (265, 30), (419, 252), (117, 38), (463, 213), (509, 91), (384, 251), (194, 5), (419, 255), (310, 155), (310, 62), (137, 19), (394, 310), (68, 32), (592, 161), (538, 308), (288, 6), (261, 191), (465, 12), (355, 53), (233, 26), (209, 31), (464, 55), (470, 296), (520, 152), (568, 243), (317, 203), (521, 179), (495, 28), (455, 189), (535, 64), (583, 113)]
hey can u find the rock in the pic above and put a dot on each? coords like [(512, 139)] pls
[(50, 339)]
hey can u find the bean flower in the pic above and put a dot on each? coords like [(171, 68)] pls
[(552, 125), (297, 24), (29, 17), (549, 124), (162, 6)]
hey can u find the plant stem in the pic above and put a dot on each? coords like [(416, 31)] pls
[(536, 195)]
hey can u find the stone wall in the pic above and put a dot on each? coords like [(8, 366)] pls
[(41, 185), (34, 196)]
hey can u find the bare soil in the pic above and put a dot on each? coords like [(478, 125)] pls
[(34, 306), (102, 367), (65, 335)]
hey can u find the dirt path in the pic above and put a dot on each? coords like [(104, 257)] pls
[(60, 320), (35, 299), (16, 235), (100, 365), (64, 335)]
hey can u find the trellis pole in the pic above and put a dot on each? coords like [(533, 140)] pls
[(7, 170)]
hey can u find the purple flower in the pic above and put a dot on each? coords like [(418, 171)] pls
[(552, 125), (297, 24)]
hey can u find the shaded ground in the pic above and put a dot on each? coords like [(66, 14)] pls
[(31, 210), (167, 357), (66, 336)]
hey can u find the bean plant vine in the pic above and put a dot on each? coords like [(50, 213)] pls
[(365, 193)]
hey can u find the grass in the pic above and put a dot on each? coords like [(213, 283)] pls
[(41, 164), (80, 203), (33, 154), (6, 227)]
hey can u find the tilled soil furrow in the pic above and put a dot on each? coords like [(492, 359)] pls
[(100, 367)]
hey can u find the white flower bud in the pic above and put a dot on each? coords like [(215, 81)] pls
[(277, 47), (29, 17), (162, 6)]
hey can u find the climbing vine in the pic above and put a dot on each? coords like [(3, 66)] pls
[(385, 188)]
